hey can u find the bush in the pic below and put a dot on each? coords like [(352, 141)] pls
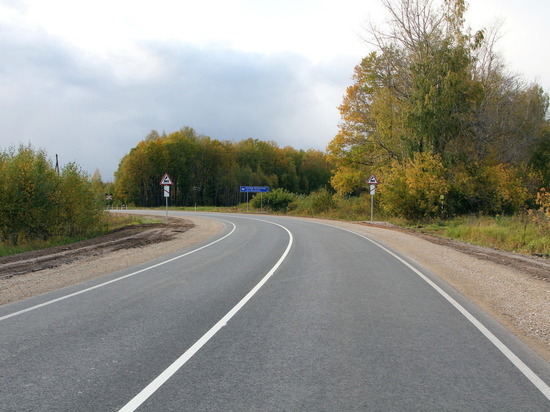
[(277, 200), (318, 202), (413, 190)]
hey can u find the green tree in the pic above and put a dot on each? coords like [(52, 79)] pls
[(29, 195), (37, 203), (540, 159), (80, 210)]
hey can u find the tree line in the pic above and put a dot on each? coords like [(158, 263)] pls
[(39, 201), (207, 171), (434, 113)]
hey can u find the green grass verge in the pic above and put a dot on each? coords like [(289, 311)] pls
[(511, 233)]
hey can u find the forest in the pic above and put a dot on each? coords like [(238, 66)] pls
[(436, 116), (208, 171)]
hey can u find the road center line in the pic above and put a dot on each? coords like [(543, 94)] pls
[(174, 367), (11, 315)]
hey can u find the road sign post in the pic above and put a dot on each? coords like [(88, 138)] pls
[(255, 189), (372, 182), (166, 182)]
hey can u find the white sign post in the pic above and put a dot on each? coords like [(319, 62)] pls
[(166, 182), (372, 182)]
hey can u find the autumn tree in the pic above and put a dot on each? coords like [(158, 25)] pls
[(413, 189), (28, 195), (38, 203), (432, 86), (79, 209), (207, 171)]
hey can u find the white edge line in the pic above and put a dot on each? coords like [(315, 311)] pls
[(11, 315), (174, 367), (518, 363)]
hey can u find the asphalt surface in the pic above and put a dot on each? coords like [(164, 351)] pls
[(329, 322)]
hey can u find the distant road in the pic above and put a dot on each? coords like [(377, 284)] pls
[(273, 313)]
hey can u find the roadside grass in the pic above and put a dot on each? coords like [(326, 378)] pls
[(511, 233), (117, 221), (113, 222), (220, 209)]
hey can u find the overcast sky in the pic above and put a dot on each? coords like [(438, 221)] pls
[(89, 79)]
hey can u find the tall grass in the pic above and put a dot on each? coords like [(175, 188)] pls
[(512, 233)]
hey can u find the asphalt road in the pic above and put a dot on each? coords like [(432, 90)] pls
[(272, 314)]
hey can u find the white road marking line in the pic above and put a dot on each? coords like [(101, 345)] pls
[(11, 315), (174, 367), (518, 363)]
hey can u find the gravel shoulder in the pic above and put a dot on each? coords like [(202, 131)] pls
[(514, 289)]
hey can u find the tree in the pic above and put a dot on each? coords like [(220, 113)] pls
[(80, 210), (38, 203), (209, 171), (29, 195), (540, 159), (433, 87)]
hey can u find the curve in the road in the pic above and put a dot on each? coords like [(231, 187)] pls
[(518, 363), (80, 292), (182, 360)]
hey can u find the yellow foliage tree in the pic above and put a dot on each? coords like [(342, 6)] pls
[(413, 189)]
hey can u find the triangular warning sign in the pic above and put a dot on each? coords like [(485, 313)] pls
[(372, 180), (166, 181)]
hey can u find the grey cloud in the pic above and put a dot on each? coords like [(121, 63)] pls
[(54, 98)]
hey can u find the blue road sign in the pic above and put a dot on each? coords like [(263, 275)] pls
[(254, 189)]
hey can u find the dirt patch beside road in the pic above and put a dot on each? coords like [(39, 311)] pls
[(33, 273), (125, 238)]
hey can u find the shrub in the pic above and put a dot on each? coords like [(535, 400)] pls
[(318, 202), (413, 189), (541, 216), (277, 200)]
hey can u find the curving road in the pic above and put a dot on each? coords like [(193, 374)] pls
[(273, 313)]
